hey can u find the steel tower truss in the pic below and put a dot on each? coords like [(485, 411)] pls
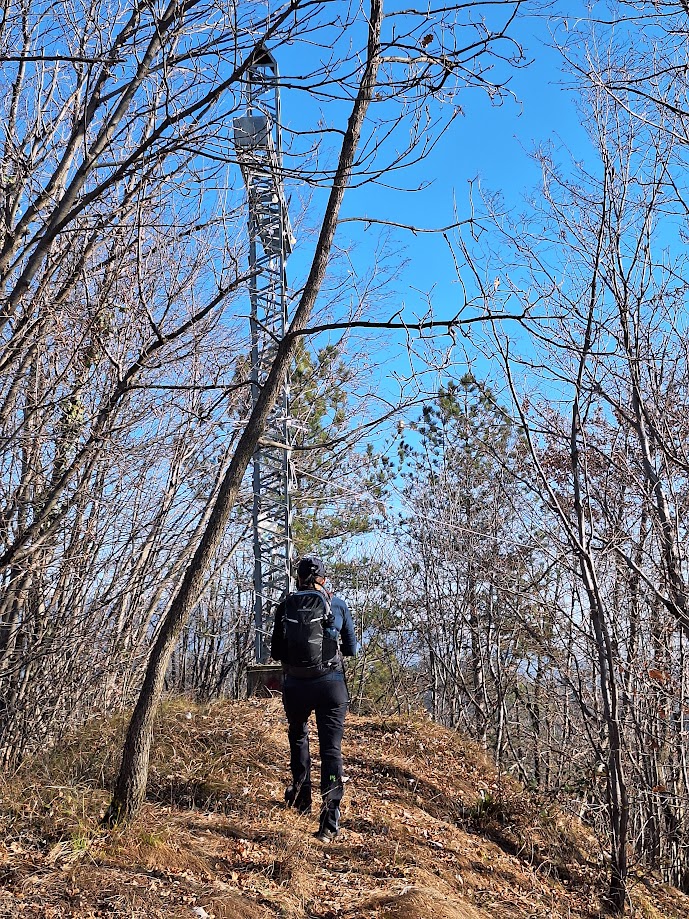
[(259, 154)]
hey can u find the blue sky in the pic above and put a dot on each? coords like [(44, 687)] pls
[(489, 144)]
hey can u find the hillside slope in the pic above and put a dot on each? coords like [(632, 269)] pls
[(429, 830)]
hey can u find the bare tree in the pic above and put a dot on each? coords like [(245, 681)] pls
[(123, 415), (610, 344), (421, 72)]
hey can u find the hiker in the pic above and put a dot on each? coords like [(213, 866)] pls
[(312, 630)]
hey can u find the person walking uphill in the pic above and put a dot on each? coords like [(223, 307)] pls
[(311, 633)]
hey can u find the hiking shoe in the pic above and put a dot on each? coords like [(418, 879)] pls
[(326, 835)]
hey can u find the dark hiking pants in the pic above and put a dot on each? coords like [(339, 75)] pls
[(327, 696)]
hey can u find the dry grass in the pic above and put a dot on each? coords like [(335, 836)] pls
[(417, 903), (429, 830)]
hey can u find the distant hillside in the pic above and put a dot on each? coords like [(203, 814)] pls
[(429, 830)]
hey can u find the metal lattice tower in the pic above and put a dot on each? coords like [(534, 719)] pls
[(259, 154)]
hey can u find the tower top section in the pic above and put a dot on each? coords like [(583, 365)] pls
[(258, 146)]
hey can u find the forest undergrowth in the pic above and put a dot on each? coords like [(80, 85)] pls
[(430, 829)]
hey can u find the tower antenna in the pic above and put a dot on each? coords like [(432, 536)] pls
[(258, 145)]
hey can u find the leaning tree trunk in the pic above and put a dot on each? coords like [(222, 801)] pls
[(130, 788)]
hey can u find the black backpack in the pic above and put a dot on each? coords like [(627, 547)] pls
[(310, 636)]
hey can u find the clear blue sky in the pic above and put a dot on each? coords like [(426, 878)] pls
[(488, 143), (491, 143)]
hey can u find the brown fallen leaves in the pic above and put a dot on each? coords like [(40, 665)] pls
[(429, 830)]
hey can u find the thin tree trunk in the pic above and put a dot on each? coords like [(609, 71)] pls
[(131, 783)]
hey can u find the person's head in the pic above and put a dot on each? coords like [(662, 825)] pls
[(310, 571)]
